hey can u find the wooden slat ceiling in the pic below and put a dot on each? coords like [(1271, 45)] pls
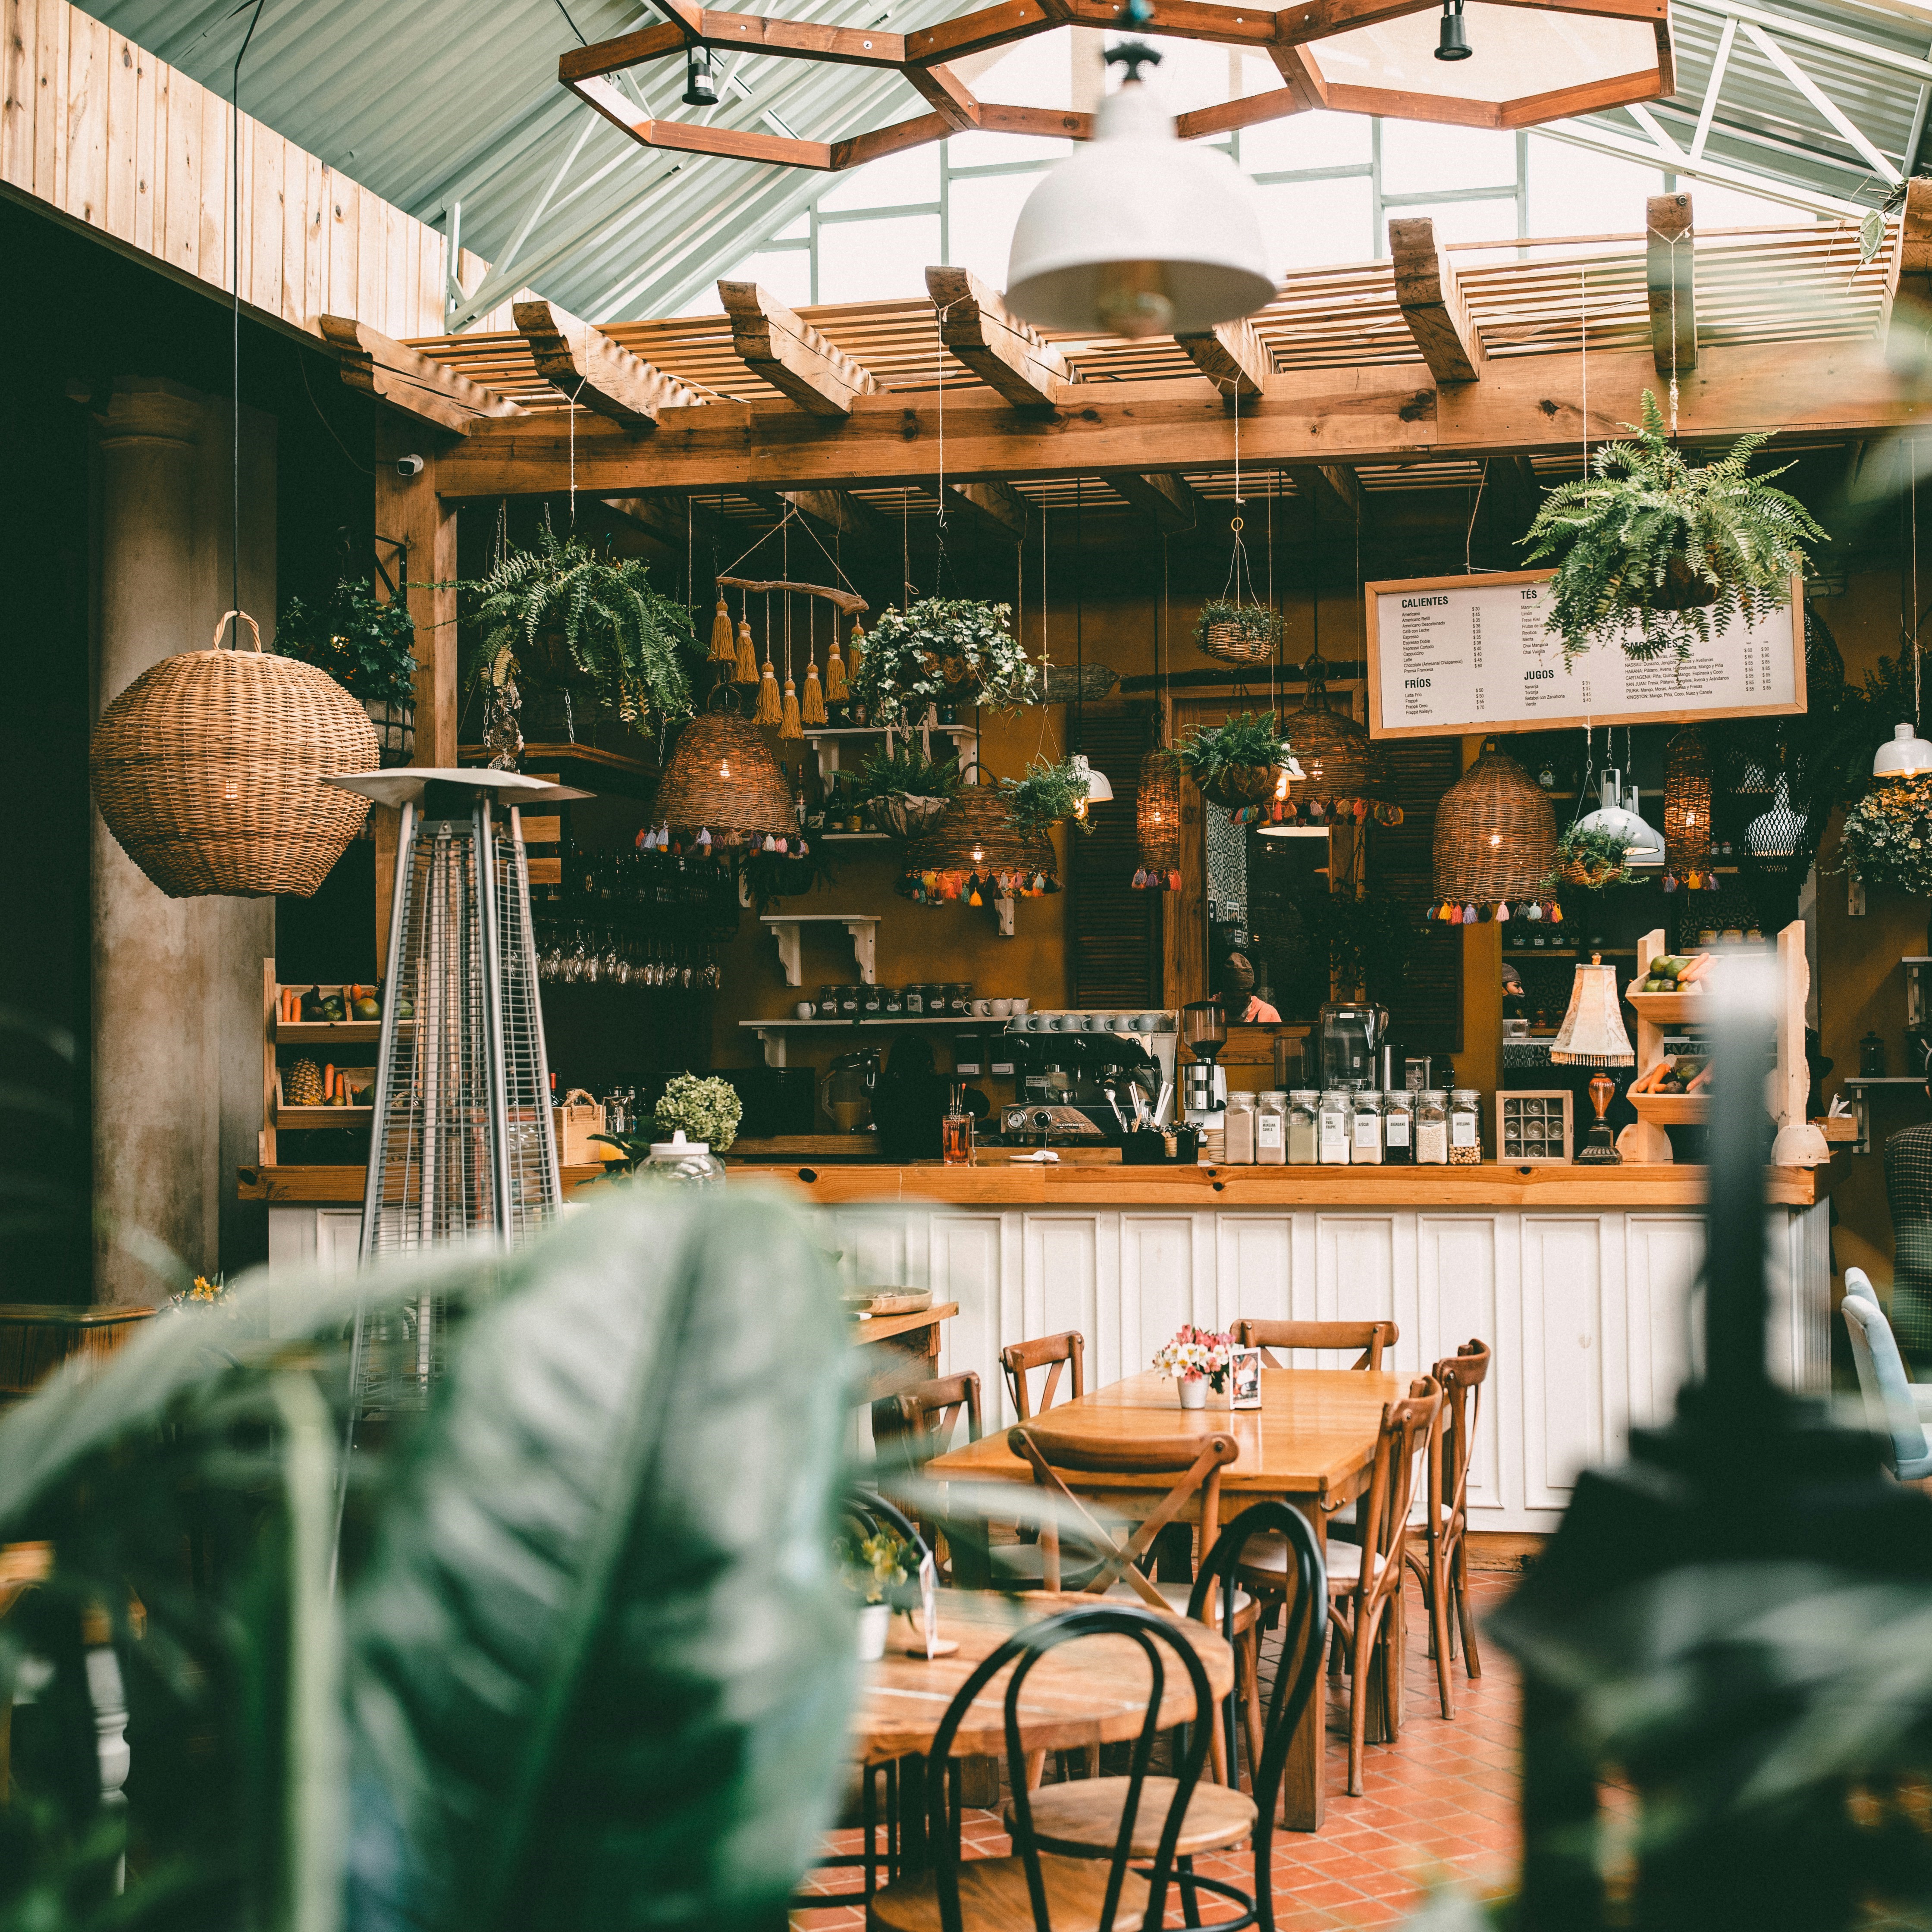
[(1801, 281)]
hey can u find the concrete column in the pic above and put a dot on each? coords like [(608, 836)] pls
[(177, 1000)]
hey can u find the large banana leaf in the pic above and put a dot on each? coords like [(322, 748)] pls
[(600, 1662)]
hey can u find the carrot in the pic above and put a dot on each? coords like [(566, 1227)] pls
[(328, 1085)]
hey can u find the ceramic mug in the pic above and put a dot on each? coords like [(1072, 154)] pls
[(805, 1010), (1022, 1006), (983, 1009), (1049, 1022), (1145, 1022), (1001, 1009)]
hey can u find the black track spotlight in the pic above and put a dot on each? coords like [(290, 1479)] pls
[(1451, 44), (701, 79)]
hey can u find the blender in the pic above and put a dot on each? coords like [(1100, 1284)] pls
[(1204, 1087)]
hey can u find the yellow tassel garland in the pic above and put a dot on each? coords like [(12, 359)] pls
[(770, 711), (789, 726), (747, 670), (811, 706), (835, 690), (855, 646), (721, 634)]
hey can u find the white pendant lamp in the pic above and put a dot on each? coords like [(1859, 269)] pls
[(1099, 791), (1903, 755), (1620, 821), (1138, 233)]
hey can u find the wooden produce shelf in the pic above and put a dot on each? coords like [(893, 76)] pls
[(327, 1032), (322, 1116), (1670, 1009), (1671, 1110)]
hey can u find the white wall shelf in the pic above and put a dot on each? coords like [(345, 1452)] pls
[(863, 927)]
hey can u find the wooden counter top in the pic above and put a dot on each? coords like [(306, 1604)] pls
[(993, 1181)]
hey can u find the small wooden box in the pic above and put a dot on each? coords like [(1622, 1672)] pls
[(1534, 1129)]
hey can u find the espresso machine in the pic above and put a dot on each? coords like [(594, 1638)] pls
[(1094, 1087), (1203, 1086)]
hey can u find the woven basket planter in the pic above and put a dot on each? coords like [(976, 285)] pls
[(209, 770), (1496, 835), (723, 779), (1593, 876), (395, 731), (980, 820), (1237, 785), (1237, 644), (1682, 588), (904, 816)]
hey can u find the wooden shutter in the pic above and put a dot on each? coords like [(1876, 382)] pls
[(1113, 932)]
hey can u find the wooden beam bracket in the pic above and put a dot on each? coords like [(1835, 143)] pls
[(598, 372), (1008, 356), (1233, 357), (1432, 302), (405, 378), (790, 355)]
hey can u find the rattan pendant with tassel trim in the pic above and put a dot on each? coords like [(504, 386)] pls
[(723, 779), (1157, 825), (208, 770), (974, 852), (1345, 773), (1496, 838), (1687, 813)]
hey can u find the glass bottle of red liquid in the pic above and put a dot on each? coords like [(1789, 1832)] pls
[(955, 1132)]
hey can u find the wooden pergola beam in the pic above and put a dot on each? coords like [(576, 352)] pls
[(1165, 498), (837, 510), (790, 355), (999, 503), (1007, 355), (676, 520), (1906, 327), (1432, 302), (1374, 412), (943, 91), (1336, 482), (1233, 357), (600, 373), (1669, 274), (406, 379)]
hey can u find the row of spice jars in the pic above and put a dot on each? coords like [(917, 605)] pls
[(948, 999), (1360, 1128)]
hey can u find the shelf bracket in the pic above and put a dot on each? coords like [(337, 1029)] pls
[(1004, 908), (790, 952), (773, 1040), (865, 949), (864, 934)]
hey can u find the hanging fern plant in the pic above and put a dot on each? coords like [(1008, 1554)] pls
[(1655, 554)]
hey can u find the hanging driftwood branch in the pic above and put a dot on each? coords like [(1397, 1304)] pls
[(849, 602)]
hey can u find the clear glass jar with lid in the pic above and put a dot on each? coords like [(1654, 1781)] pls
[(1432, 1128), (1271, 1128), (1465, 1126), (679, 1162), (1304, 1103), (1332, 1122), (1237, 1144), (1365, 1128), (1399, 1127)]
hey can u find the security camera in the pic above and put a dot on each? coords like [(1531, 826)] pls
[(409, 466)]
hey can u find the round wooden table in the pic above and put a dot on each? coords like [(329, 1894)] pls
[(1089, 1690)]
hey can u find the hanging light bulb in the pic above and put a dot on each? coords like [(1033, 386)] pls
[(1451, 44), (1903, 755), (1138, 233), (701, 78)]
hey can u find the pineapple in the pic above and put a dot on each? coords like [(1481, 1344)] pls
[(301, 1084)]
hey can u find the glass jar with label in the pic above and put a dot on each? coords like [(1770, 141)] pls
[(1303, 1106), (1399, 1128), (895, 1000), (828, 1003), (1271, 1129), (848, 1002), (1432, 1128), (1465, 1126), (1237, 1147), (872, 1002), (1365, 1134), (1332, 1125)]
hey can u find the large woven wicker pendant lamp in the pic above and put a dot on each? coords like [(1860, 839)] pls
[(975, 852), (1496, 835), (1157, 824), (724, 785), (1687, 809), (1344, 773)]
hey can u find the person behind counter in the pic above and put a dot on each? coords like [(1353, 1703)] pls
[(1237, 994)]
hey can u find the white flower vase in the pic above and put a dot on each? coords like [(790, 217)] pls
[(1193, 1391), (875, 1621)]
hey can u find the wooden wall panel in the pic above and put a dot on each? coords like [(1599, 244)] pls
[(1113, 932)]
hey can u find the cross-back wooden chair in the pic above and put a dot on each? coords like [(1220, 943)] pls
[(1365, 1578), (1371, 1337), (1441, 1565), (1055, 1353)]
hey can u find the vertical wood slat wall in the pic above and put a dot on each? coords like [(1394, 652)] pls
[(1113, 932), (95, 126)]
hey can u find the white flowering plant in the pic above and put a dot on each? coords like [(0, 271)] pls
[(1887, 839), (1193, 1353), (707, 1109), (949, 650)]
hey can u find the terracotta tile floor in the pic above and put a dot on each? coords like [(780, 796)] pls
[(1439, 1805)]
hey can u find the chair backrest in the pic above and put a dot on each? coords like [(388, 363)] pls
[(866, 1512), (1068, 1349), (1023, 1652), (1304, 1633), (1371, 1337), (1460, 1377), (928, 1413), (1196, 1461), (1882, 1381), (1407, 1432)]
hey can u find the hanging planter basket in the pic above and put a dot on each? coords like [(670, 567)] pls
[(1236, 785), (208, 767), (905, 816), (395, 731), (1243, 635)]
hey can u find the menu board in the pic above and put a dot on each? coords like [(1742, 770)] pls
[(1450, 654)]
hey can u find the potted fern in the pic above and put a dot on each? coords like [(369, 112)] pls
[(1591, 860), (1655, 553), (1049, 795), (368, 647), (562, 616), (1237, 634), (1237, 763), (904, 789)]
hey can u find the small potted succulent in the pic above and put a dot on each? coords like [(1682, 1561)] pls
[(1049, 795), (1590, 860), (1237, 634), (882, 1571), (1237, 763), (1197, 1359), (943, 650), (368, 647)]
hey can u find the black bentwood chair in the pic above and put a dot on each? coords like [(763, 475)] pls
[(1079, 1820), (1038, 1888)]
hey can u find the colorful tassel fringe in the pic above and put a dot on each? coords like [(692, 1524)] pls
[(722, 651), (771, 708), (811, 706), (747, 660), (1450, 913)]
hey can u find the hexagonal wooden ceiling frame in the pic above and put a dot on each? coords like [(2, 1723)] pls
[(1287, 38)]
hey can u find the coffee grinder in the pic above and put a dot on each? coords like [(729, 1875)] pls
[(1204, 1087)]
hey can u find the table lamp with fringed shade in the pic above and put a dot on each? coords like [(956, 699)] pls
[(1496, 835), (724, 779), (1687, 806), (1157, 825), (1592, 1034)]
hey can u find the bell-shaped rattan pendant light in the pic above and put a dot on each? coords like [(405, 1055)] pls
[(1686, 807), (974, 844), (723, 779), (1496, 835), (1344, 773), (1157, 824)]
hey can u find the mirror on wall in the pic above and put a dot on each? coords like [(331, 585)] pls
[(1261, 959)]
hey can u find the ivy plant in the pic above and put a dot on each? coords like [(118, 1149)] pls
[(1249, 620), (943, 650), (367, 645)]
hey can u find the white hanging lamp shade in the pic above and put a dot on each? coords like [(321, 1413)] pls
[(1903, 755), (1099, 791), (1138, 233), (1613, 817)]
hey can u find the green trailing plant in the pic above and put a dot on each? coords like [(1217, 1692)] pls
[(945, 650), (1247, 620), (1590, 860), (1656, 554), (366, 645), (1234, 763), (1049, 795), (905, 772), (564, 614)]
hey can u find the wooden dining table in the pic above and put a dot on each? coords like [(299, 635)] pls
[(1311, 1445)]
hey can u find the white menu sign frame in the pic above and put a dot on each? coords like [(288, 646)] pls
[(1429, 634)]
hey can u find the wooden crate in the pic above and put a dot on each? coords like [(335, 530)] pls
[(1670, 1110), (1540, 1117)]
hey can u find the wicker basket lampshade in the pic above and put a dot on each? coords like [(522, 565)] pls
[(1341, 766), (722, 778), (976, 836), (1686, 803), (209, 769), (1157, 824), (1496, 835)]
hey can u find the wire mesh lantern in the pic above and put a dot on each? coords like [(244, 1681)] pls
[(1686, 809), (1495, 837), (725, 781), (975, 851), (1157, 825)]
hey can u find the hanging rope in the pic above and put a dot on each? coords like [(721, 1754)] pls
[(1671, 241), (790, 724), (235, 290), (770, 710), (939, 561), (1583, 355)]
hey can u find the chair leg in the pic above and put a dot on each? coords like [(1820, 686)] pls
[(1472, 1662), (1092, 1754), (1362, 1643), (1190, 1894), (1036, 1763), (1438, 1620), (1217, 1748), (1251, 1707)]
